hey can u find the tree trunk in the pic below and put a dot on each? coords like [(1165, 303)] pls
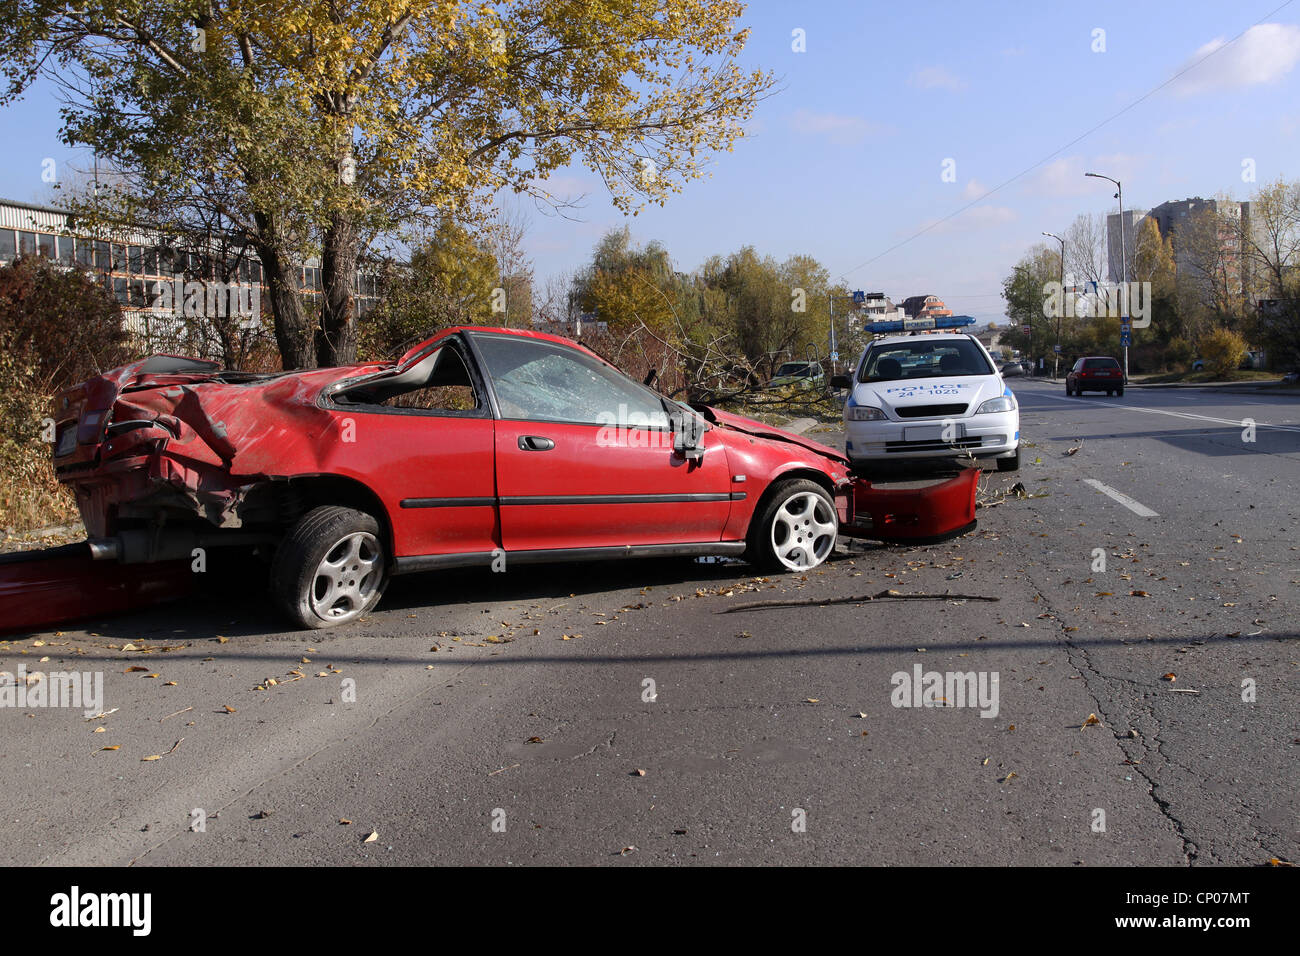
[(293, 332), (338, 343)]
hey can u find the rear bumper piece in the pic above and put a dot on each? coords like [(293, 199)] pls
[(913, 515), (48, 586)]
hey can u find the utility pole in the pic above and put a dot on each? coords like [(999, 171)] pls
[(1056, 352), (1125, 328)]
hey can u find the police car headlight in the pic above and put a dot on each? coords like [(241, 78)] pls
[(1003, 403), (865, 413)]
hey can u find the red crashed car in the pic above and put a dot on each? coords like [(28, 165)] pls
[(480, 446), (1095, 373)]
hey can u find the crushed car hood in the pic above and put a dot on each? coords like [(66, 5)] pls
[(756, 428)]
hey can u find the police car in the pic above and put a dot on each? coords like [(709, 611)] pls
[(929, 396)]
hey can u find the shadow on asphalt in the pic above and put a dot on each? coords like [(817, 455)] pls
[(842, 650), (232, 599)]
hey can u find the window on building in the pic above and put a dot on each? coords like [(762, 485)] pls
[(135, 259), (103, 257), (8, 245), (255, 270), (66, 244), (120, 290), (46, 245), (85, 253), (27, 243)]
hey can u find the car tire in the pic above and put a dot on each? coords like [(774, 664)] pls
[(1069, 392), (794, 528), (1119, 393), (1009, 464), (331, 568)]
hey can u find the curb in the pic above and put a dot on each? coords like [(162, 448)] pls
[(799, 425)]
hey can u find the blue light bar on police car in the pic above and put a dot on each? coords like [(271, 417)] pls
[(920, 323)]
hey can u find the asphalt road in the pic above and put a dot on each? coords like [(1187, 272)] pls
[(458, 725)]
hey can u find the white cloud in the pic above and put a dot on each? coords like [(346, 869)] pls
[(977, 217), (934, 78), (1064, 177), (1060, 177), (973, 189), (841, 129), (1264, 54)]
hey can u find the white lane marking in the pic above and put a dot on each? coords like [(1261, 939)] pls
[(1236, 422), (1139, 509)]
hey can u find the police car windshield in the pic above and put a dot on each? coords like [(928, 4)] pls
[(910, 360)]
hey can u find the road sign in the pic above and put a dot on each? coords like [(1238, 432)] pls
[(1125, 337), (1024, 330), (835, 356), (859, 296), (1056, 349)]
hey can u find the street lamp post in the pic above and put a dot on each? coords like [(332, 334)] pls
[(1056, 352), (1123, 267)]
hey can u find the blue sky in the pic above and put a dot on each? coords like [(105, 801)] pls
[(846, 160)]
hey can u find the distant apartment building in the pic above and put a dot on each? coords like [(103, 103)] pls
[(1131, 221), (925, 306), (1175, 217), (879, 307)]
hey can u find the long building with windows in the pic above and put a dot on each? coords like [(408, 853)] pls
[(139, 267)]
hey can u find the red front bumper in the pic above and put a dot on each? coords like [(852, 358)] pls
[(913, 515)]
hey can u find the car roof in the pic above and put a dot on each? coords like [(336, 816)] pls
[(495, 330), (913, 339)]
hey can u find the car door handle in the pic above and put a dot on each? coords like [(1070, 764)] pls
[(535, 443)]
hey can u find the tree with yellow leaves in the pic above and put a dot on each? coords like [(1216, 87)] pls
[(314, 126)]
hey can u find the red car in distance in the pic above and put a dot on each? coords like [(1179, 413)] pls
[(1095, 373), (480, 446)]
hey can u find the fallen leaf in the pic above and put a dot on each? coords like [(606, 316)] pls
[(134, 668), (114, 747), (344, 821), (99, 730), (1092, 721), (374, 835), (229, 709), (1169, 677), (152, 757)]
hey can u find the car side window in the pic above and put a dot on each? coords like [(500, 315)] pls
[(543, 381), (439, 382)]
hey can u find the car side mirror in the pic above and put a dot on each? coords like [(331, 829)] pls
[(841, 381), (688, 436)]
